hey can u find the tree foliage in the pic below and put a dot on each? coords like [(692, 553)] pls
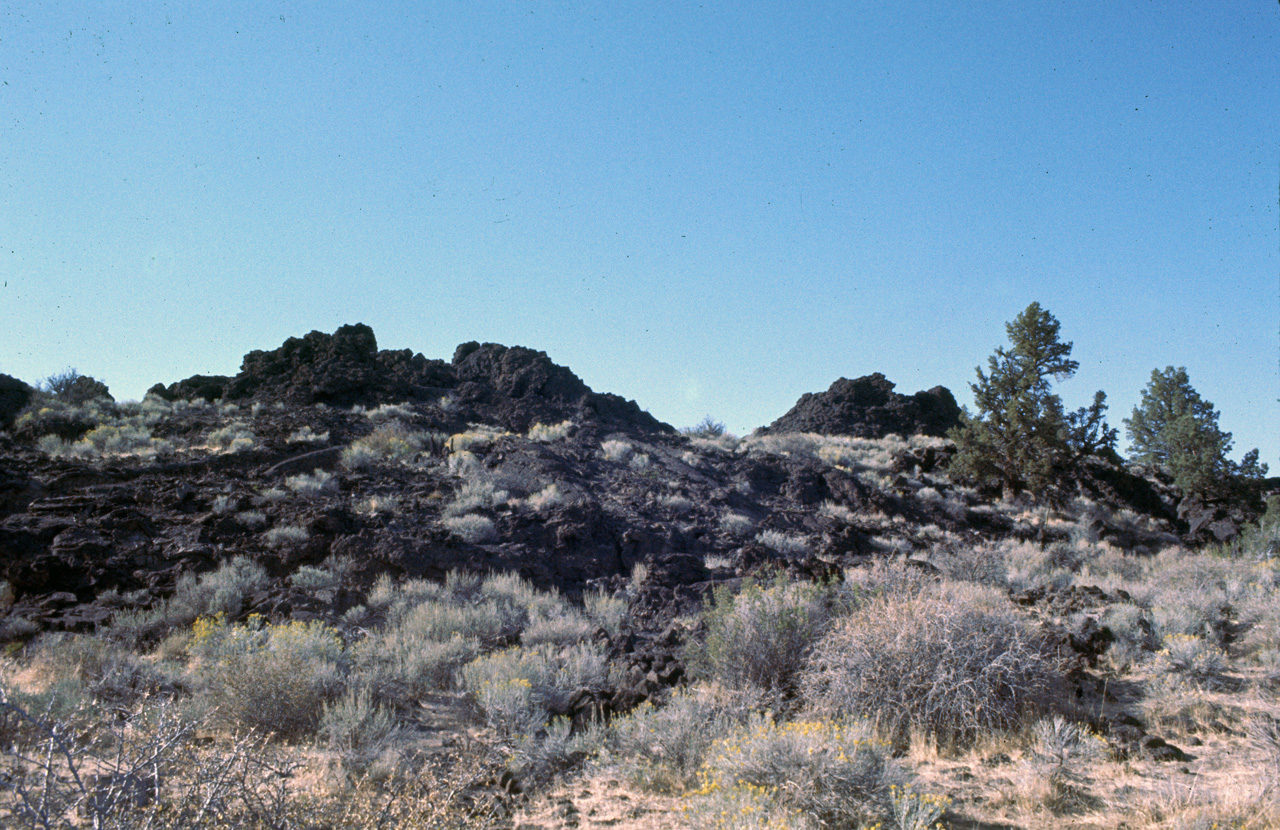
[(74, 388), (1020, 436), (1175, 429)]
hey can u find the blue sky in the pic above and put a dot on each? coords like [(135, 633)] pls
[(709, 208)]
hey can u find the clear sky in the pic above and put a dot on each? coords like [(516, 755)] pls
[(707, 207)]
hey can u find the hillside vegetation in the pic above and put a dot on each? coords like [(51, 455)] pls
[(353, 588)]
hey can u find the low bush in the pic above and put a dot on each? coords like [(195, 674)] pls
[(221, 591), (833, 771), (762, 636), (472, 528), (783, 543), (662, 748), (735, 524), (390, 443), (273, 678), (475, 495), (1062, 753), (1192, 658), (314, 483), (545, 434), (617, 450), (948, 665), (519, 689), (358, 727), (286, 536)]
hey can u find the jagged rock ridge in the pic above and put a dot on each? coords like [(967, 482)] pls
[(511, 386), (869, 408)]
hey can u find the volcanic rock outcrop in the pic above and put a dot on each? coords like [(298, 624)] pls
[(511, 386), (14, 395), (869, 408)]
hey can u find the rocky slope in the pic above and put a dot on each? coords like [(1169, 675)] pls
[(216, 474)]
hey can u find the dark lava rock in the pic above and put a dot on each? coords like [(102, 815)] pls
[(869, 408), (341, 369), (519, 387), (1206, 522), (490, 383), (14, 395), (204, 387), (1158, 749)]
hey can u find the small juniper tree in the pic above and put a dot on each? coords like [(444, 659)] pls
[(1020, 437), (1175, 429)]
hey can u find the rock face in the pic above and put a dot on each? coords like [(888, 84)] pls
[(14, 395), (869, 408), (511, 386)]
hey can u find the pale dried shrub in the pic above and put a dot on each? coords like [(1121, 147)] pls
[(519, 689), (315, 483), (477, 436), (1061, 756), (936, 661), (390, 443), (836, 511), (472, 529), (736, 524), (546, 498), (286, 536), (605, 610), (358, 727), (676, 502), (543, 433), (389, 412), (560, 630), (400, 666), (221, 591), (235, 437), (785, 544), (252, 519), (1193, 658), (478, 494), (384, 505), (617, 450), (306, 435)]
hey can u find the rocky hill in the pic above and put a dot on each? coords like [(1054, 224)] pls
[(327, 470)]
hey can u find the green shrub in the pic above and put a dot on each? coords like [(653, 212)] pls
[(274, 678), (221, 591), (391, 443), (520, 689), (662, 748), (833, 771), (358, 727), (949, 665), (762, 635)]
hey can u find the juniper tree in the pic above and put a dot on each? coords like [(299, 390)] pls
[(1020, 437), (1176, 429)]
